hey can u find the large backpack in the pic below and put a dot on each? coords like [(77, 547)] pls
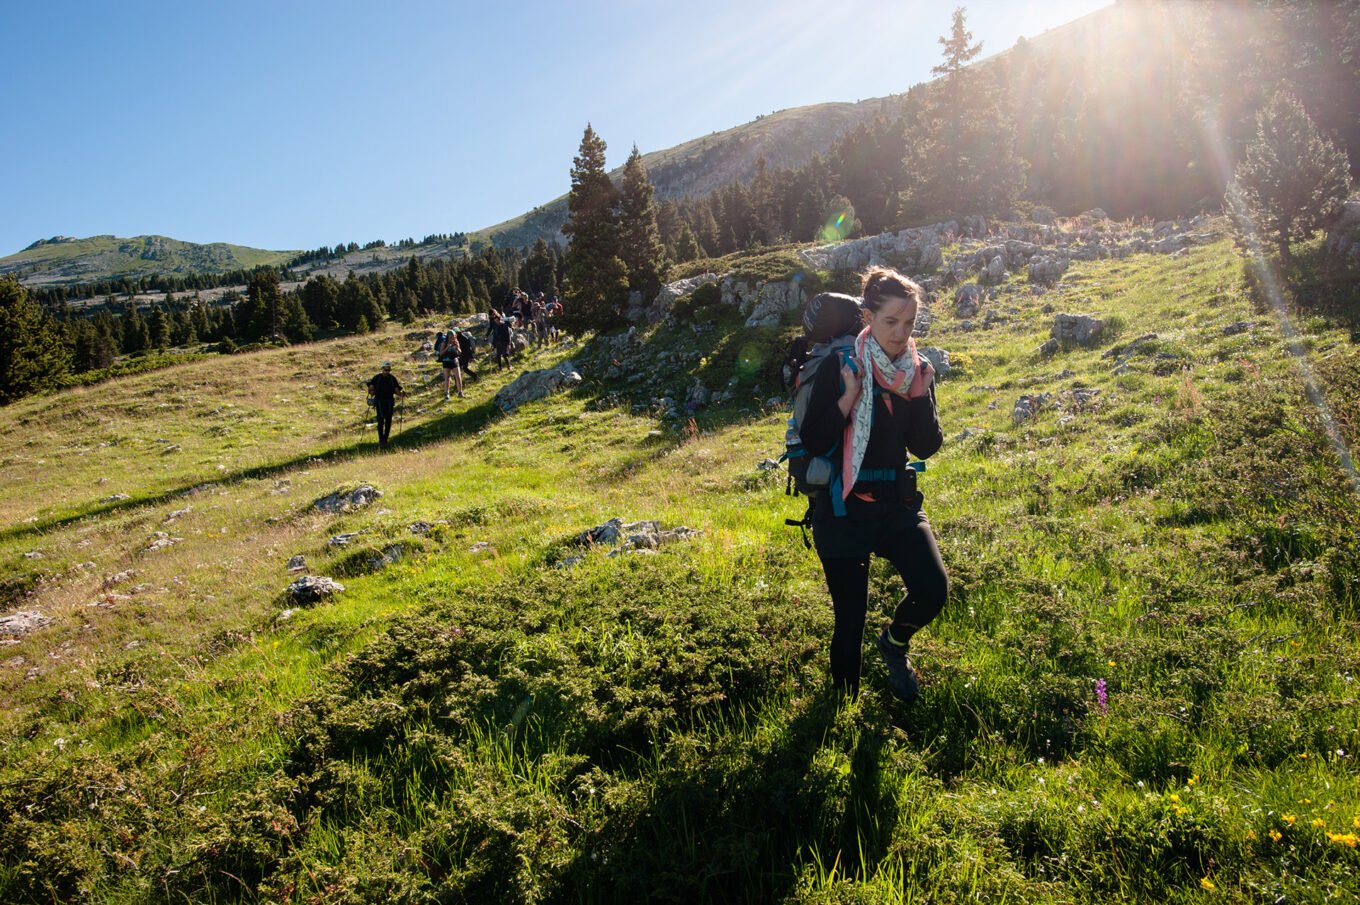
[(831, 321)]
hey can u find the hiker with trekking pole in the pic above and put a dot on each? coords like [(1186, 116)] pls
[(864, 403), (384, 389)]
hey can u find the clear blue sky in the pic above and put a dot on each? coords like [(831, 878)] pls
[(290, 124)]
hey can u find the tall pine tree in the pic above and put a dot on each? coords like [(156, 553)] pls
[(33, 353), (1292, 179), (640, 245), (597, 280), (963, 160)]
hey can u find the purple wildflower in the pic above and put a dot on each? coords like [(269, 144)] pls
[(1102, 698)]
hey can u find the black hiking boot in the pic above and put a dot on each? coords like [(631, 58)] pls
[(901, 674)]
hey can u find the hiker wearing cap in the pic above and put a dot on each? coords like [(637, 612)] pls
[(866, 411), (384, 388)]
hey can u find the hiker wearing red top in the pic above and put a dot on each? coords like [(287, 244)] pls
[(867, 414)]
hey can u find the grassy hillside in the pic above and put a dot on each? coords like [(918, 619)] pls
[(1142, 689), (63, 261)]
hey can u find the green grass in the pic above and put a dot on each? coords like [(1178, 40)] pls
[(482, 723)]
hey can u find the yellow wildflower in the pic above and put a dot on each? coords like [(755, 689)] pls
[(1111, 664), (1344, 839), (1319, 823), (1192, 780), (1173, 797), (1274, 835), (1355, 823), (1288, 818), (1206, 883), (1251, 834), (1181, 811)]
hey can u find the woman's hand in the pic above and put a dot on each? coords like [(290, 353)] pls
[(851, 392)]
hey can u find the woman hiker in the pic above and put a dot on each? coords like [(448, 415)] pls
[(449, 355), (877, 407)]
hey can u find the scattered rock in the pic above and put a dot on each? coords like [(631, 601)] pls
[(967, 300), (33, 554), (390, 556), (1045, 270), (1082, 329), (108, 600), (21, 622), (1238, 327), (177, 514), (297, 563), (601, 535), (481, 546), (771, 301), (1084, 397), (633, 535), (172, 448), (535, 385), (312, 588), (119, 577), (160, 540), (938, 358), (767, 465), (344, 540), (1026, 407), (116, 498), (348, 501), (420, 528), (1049, 347), (994, 272)]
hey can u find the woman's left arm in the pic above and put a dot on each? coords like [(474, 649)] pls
[(923, 434)]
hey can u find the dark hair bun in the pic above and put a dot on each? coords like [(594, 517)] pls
[(829, 315)]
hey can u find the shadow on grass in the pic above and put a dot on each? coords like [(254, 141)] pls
[(717, 834), (445, 427), (1321, 285)]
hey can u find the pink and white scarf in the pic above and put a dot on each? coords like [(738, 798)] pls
[(901, 377)]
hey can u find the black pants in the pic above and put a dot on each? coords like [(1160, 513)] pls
[(384, 407), (898, 534)]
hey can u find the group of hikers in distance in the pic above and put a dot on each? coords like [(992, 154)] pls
[(863, 405), (455, 351)]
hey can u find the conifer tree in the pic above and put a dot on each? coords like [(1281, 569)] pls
[(1292, 179), (33, 353), (320, 295), (293, 322), (257, 315), (686, 247), (962, 159), (640, 245), (597, 280), (136, 336), (158, 325)]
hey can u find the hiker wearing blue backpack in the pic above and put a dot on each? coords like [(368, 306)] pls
[(871, 403)]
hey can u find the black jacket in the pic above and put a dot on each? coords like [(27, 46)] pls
[(899, 425), (384, 386)]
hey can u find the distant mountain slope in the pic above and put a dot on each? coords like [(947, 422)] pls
[(62, 260), (787, 138)]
